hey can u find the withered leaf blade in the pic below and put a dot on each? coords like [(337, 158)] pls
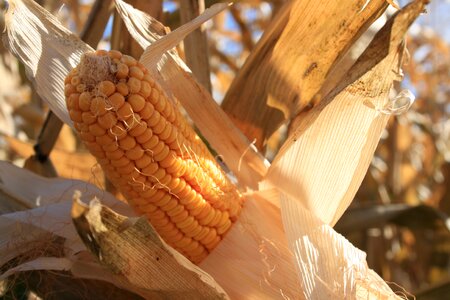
[(325, 159), (321, 166), (291, 61), (133, 249), (155, 50)]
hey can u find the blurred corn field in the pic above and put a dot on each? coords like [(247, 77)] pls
[(399, 215)]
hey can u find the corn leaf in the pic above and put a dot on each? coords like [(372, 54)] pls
[(292, 60), (324, 161)]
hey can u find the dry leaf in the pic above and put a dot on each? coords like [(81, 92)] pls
[(133, 249), (325, 159), (40, 263), (48, 58), (291, 61), (52, 220)]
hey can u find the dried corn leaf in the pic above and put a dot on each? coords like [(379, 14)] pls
[(155, 50), (324, 161), (54, 284), (17, 239), (291, 61), (133, 249), (29, 235), (51, 214), (37, 193), (340, 69), (239, 155), (46, 48), (144, 28), (24, 246), (10, 204), (322, 164)]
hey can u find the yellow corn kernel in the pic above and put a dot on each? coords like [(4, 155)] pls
[(150, 153)]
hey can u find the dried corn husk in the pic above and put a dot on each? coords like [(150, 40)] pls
[(47, 58), (35, 229)]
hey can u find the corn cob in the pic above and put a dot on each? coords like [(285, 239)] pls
[(150, 153)]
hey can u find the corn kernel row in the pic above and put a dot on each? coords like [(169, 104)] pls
[(150, 152)]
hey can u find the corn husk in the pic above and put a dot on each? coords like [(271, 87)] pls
[(283, 245), (34, 230), (341, 134), (47, 58), (122, 244)]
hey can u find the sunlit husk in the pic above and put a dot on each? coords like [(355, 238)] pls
[(47, 57)]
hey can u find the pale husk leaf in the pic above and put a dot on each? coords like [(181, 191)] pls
[(325, 159), (26, 235), (254, 261), (329, 266), (37, 193), (239, 155), (46, 48), (133, 249), (51, 210)]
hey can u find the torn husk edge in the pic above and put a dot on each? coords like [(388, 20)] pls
[(133, 249)]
